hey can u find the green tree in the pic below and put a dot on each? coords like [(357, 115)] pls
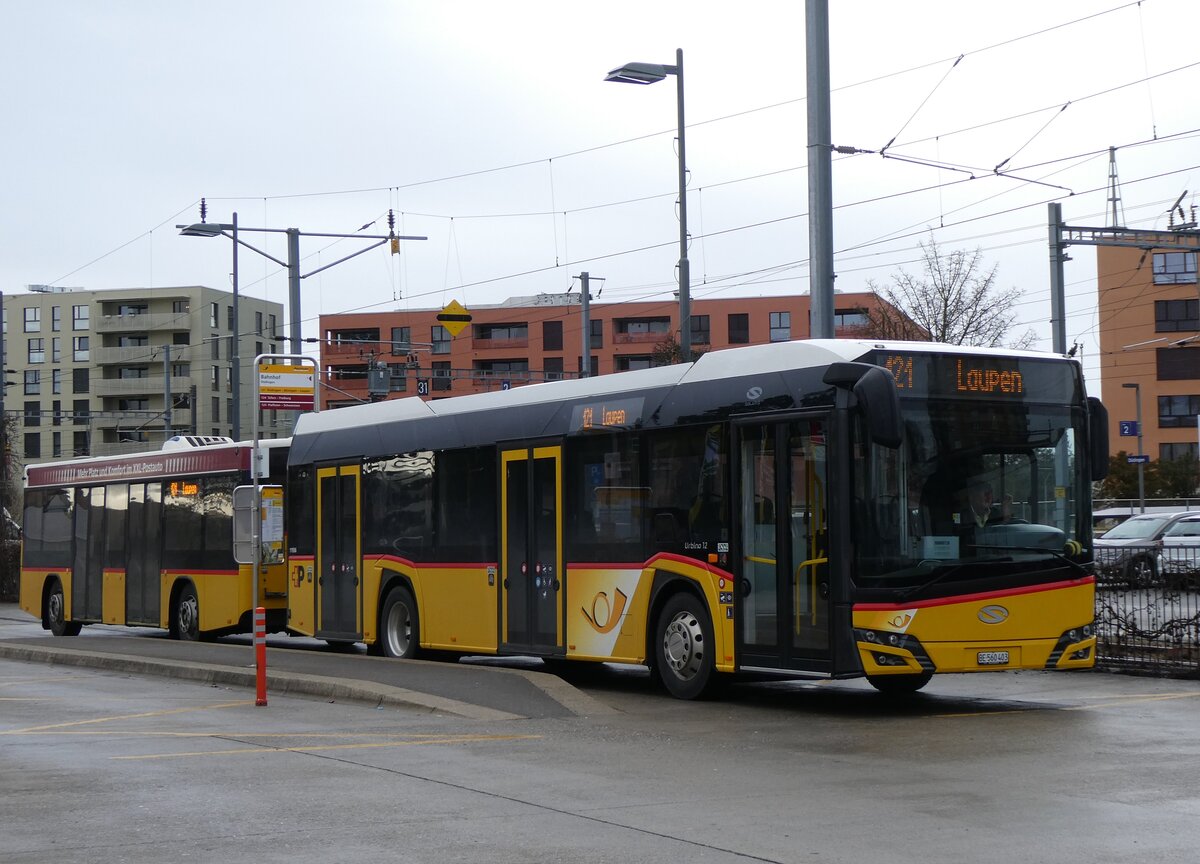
[(1122, 479), (669, 352), (1173, 478), (953, 300)]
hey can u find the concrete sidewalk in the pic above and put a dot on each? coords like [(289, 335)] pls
[(481, 692)]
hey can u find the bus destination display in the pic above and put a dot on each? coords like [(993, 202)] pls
[(967, 376)]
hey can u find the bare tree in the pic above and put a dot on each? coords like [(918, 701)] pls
[(952, 300)]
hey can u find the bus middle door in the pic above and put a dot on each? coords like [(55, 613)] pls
[(531, 612), (339, 580)]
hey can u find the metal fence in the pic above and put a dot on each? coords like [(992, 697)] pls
[(1148, 611)]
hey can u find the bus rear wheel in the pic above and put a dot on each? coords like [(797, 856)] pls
[(899, 685), (683, 647), (56, 611), (399, 633)]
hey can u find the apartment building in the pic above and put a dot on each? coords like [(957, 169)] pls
[(530, 339), (93, 372), (1149, 323)]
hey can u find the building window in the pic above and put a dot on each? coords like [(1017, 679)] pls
[(56, 349), (397, 378), (739, 328), (215, 380), (1174, 268), (1173, 316), (180, 307), (506, 369), (1178, 364), (848, 318), (79, 444), (56, 413), (624, 363), (55, 318), (1175, 412), (441, 373), (441, 341), (33, 382), (258, 322), (124, 309), (229, 318), (130, 405), (229, 380), (133, 341), (553, 367), (700, 330), (216, 347), (271, 328), (216, 409), (37, 350), (552, 336), (401, 340), (55, 445), (593, 365), (33, 445), (132, 372), (81, 412), (214, 313), (33, 413), (79, 348), (56, 376), (597, 335), (1184, 450), (80, 319), (33, 320), (501, 332), (180, 370), (79, 380), (781, 326)]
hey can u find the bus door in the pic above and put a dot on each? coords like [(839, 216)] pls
[(531, 548), (339, 580), (88, 571), (783, 530), (143, 565)]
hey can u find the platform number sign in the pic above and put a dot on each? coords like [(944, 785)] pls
[(422, 386)]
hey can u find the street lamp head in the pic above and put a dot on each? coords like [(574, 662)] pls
[(640, 73), (204, 229)]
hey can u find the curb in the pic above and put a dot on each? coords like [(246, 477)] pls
[(281, 684)]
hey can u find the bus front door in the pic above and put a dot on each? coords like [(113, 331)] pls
[(339, 582), (531, 549), (783, 521)]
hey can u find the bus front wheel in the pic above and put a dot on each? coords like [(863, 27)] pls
[(56, 612), (899, 685), (399, 634), (683, 647), (187, 615)]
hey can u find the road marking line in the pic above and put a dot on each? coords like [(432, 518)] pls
[(457, 739), (49, 726)]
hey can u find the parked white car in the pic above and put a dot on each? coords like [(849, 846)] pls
[(1179, 556)]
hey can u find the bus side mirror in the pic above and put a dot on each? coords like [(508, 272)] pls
[(875, 389), (1098, 437)]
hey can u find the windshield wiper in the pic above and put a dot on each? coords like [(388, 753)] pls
[(936, 579), (1060, 556)]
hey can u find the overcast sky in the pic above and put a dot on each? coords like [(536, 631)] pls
[(489, 128)]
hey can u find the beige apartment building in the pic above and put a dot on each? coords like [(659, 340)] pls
[(101, 373), (1149, 323)]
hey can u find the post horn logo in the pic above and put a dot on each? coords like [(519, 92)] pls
[(993, 614), (605, 616)]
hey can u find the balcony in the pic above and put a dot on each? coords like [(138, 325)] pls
[(482, 344), (153, 385), (180, 418), (135, 355), (144, 323)]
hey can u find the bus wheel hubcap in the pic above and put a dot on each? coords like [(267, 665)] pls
[(683, 645), (56, 607), (398, 629)]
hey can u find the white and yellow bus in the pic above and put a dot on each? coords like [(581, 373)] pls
[(796, 509)]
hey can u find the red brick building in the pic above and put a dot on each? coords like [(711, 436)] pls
[(531, 339)]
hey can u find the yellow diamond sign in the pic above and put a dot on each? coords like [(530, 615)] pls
[(454, 317)]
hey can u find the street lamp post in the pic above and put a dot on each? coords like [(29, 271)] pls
[(649, 73), (292, 265), (1137, 395)]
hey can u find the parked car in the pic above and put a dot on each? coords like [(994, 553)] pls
[(1179, 557), (1128, 554)]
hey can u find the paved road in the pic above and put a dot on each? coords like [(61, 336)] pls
[(104, 764)]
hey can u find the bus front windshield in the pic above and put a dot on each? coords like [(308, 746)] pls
[(979, 491)]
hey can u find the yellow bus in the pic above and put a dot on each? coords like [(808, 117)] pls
[(146, 539), (796, 509)]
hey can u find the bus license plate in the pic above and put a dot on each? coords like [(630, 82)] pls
[(993, 658)]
